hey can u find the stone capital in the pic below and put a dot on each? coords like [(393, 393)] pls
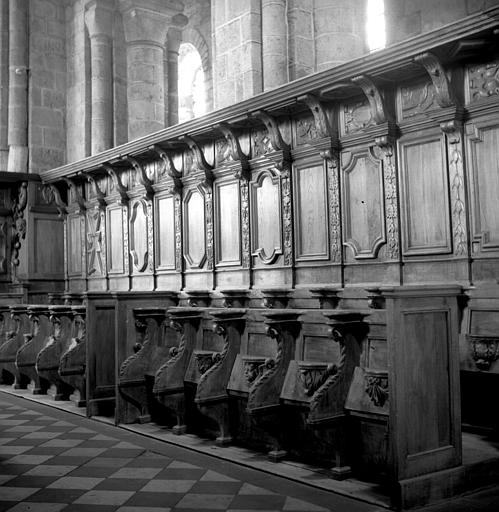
[(99, 17), (148, 20)]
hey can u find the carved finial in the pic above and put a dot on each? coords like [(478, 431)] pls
[(276, 140), (374, 97), (101, 197), (200, 159), (235, 149), (78, 197), (170, 168), (141, 172), (117, 182), (435, 70)]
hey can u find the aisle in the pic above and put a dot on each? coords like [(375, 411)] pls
[(51, 460)]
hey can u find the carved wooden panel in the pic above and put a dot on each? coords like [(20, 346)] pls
[(483, 81), (266, 218), (165, 232), (74, 227), (484, 185), (4, 243), (425, 197), (194, 229), (356, 117), (311, 216), (228, 224), (416, 99), (48, 233), (139, 227), (96, 246), (115, 240), (364, 212)]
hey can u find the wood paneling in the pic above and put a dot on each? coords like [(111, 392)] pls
[(228, 224), (425, 192), (48, 234), (266, 218), (74, 245), (139, 235), (165, 232), (115, 243), (484, 186), (194, 229), (364, 213), (311, 212)]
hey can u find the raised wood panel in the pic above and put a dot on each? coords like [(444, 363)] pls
[(320, 348), (95, 231), (260, 345), (484, 322), (266, 218), (165, 234), (425, 193), (138, 235), (48, 234), (311, 213), (115, 243), (74, 245), (5, 229), (194, 229), (103, 352), (228, 224), (484, 185), (364, 212)]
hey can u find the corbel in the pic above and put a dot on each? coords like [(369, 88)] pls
[(80, 201), (436, 72), (101, 197), (51, 194), (143, 179), (236, 152), (117, 183), (329, 151), (374, 97), (201, 162), (170, 168)]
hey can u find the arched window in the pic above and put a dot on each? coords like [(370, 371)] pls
[(191, 84), (376, 37)]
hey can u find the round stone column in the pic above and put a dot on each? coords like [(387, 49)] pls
[(274, 43), (146, 24), (99, 22), (4, 82)]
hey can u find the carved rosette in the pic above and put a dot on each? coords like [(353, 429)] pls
[(484, 350), (245, 224), (376, 387)]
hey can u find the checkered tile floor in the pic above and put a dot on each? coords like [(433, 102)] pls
[(51, 461)]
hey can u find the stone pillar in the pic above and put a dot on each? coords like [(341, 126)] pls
[(237, 50), (146, 24), (99, 23), (340, 31), (274, 43), (173, 40), (4, 83), (301, 47), (18, 86)]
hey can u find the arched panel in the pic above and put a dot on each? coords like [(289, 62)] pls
[(267, 223), (194, 226), (364, 216), (138, 235)]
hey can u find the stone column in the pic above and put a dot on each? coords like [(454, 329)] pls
[(174, 38), (274, 43), (4, 83), (340, 31), (18, 86), (99, 22), (146, 24)]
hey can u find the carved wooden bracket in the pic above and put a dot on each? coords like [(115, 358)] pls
[(235, 150), (201, 162), (327, 296), (348, 329), (375, 298), (118, 184), (170, 168), (234, 298), (284, 327), (80, 201), (197, 298), (444, 93), (484, 350), (101, 197), (275, 297), (143, 178), (276, 140), (51, 194), (373, 95)]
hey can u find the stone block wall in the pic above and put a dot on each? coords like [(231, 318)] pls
[(47, 85)]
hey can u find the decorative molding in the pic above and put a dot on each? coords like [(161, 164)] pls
[(355, 119), (483, 81), (335, 229), (434, 68), (245, 224), (417, 99)]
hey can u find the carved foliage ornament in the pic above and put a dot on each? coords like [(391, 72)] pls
[(376, 387), (19, 222), (484, 350), (435, 70), (313, 377), (483, 81)]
